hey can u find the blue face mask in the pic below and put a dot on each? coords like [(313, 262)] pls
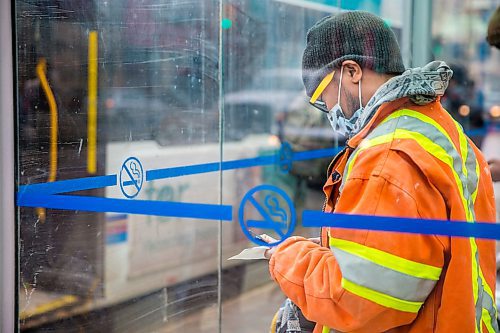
[(337, 118)]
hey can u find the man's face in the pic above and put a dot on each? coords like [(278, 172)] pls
[(348, 102)]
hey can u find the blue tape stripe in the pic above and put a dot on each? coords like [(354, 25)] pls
[(236, 164), (313, 154), (312, 218), (88, 183), (208, 167), (110, 180), (249, 162), (71, 185), (181, 171), (143, 207)]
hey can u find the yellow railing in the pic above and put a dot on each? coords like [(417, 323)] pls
[(92, 104), (41, 69)]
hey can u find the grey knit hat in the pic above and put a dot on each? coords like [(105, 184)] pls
[(352, 35)]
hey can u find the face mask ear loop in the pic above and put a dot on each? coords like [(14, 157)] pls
[(340, 84), (359, 94)]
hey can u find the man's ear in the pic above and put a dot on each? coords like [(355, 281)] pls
[(354, 71)]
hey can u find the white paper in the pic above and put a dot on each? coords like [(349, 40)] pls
[(252, 253)]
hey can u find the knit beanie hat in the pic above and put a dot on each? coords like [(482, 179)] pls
[(494, 29), (352, 35)]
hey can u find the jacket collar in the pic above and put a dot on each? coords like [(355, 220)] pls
[(383, 111)]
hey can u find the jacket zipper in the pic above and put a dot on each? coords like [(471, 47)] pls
[(328, 173)]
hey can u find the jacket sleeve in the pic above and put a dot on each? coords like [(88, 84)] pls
[(366, 281)]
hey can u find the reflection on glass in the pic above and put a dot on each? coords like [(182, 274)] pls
[(473, 98), (157, 100), (264, 100), (153, 67), (459, 37)]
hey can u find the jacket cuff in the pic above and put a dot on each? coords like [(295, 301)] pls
[(280, 248)]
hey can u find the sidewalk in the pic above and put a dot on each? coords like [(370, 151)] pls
[(251, 312)]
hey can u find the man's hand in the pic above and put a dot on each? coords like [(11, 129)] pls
[(268, 254), (495, 169), (316, 240)]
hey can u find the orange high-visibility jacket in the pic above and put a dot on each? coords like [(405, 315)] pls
[(409, 161)]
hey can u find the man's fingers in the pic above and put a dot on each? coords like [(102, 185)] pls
[(268, 239), (269, 252), (316, 240)]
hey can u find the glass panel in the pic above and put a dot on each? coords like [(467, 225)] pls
[(267, 116), (137, 181), (112, 97)]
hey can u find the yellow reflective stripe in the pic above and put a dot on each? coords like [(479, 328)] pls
[(365, 144), (463, 146), (462, 140), (468, 203), (474, 194), (463, 152), (486, 319), (486, 286), (427, 144), (439, 153), (388, 260), (475, 269), (381, 299), (321, 87), (488, 290), (421, 117), (325, 329), (430, 121), (477, 274)]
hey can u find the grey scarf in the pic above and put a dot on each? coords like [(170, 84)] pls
[(422, 85)]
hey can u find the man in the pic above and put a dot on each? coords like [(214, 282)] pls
[(405, 157)]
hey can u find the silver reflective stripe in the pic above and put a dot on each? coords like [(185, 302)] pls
[(382, 279), (489, 305), (484, 299), (472, 177), (470, 187), (414, 125), (480, 296)]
